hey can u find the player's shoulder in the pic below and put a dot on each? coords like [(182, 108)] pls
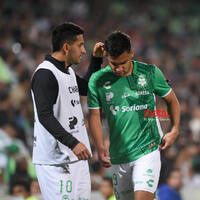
[(144, 65), (144, 68), (45, 65), (43, 70)]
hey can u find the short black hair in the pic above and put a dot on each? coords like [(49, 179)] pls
[(18, 181), (117, 43), (65, 32), (172, 171)]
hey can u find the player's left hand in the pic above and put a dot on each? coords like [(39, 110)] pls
[(98, 50), (169, 139), (104, 157)]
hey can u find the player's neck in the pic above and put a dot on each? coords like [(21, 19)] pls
[(130, 69), (60, 57)]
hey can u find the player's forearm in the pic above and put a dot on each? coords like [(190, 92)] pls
[(57, 131), (174, 111), (95, 65), (96, 130)]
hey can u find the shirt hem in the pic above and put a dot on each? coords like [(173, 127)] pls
[(53, 164), (167, 93), (127, 159), (94, 107)]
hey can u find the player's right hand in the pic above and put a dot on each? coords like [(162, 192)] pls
[(98, 50), (104, 157), (81, 151)]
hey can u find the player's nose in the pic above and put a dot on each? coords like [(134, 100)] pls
[(119, 68), (83, 51)]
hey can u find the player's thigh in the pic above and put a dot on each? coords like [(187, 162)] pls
[(143, 195), (52, 180), (64, 182), (81, 174), (146, 172), (122, 181)]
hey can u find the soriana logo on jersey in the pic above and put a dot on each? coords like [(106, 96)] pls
[(115, 109)]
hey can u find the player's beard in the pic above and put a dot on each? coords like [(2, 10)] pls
[(73, 60)]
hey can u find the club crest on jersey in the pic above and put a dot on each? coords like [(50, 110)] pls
[(142, 81)]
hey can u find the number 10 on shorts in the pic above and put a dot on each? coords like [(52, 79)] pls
[(66, 186)]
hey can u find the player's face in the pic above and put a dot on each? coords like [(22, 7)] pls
[(76, 50), (19, 191), (106, 189), (122, 65)]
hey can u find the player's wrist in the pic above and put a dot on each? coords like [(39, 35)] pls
[(100, 147), (175, 130)]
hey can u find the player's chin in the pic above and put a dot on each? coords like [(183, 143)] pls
[(107, 166), (119, 74), (77, 61)]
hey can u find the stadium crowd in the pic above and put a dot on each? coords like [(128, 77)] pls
[(163, 33)]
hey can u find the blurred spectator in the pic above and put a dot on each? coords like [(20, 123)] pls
[(195, 124), (97, 175), (170, 191), (191, 190), (106, 188), (21, 188), (23, 168), (19, 93), (168, 158), (184, 160), (35, 189)]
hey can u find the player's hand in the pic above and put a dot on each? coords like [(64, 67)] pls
[(81, 151), (169, 139), (98, 50), (104, 157)]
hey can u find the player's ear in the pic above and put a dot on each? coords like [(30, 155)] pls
[(105, 53), (132, 52), (65, 48)]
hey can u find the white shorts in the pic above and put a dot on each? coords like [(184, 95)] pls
[(142, 174), (66, 182)]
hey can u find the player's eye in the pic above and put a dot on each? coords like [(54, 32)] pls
[(81, 44)]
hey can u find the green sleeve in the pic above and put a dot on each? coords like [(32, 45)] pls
[(161, 87), (93, 97)]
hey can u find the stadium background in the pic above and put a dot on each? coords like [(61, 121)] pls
[(165, 33)]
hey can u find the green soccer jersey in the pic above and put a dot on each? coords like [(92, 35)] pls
[(125, 100)]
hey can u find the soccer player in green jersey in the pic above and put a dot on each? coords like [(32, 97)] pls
[(126, 90)]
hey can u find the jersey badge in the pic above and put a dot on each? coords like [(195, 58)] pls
[(142, 81)]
